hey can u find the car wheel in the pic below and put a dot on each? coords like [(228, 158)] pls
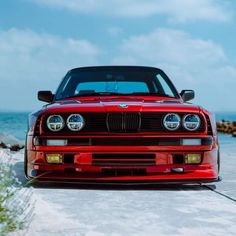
[(25, 164), (218, 161)]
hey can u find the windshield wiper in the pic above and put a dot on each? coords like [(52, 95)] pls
[(151, 94), (114, 93), (94, 94), (107, 93)]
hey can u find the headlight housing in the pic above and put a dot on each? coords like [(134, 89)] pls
[(191, 122), (55, 123), (75, 122), (171, 121)]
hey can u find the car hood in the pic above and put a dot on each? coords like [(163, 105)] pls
[(120, 104)]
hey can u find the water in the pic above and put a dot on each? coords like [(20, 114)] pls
[(15, 124), (230, 116)]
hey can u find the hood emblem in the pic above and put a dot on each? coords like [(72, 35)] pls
[(122, 105)]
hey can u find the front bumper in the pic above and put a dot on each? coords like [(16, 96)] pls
[(80, 164)]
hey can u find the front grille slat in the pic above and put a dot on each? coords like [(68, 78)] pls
[(123, 122), (151, 121), (114, 122), (132, 122)]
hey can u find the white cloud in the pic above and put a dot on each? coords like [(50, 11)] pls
[(191, 63), (31, 61), (173, 46), (115, 31), (175, 10)]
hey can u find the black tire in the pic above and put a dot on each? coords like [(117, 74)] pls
[(218, 160), (25, 164)]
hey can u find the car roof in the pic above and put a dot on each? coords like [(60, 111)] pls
[(146, 68)]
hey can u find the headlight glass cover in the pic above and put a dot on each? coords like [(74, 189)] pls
[(55, 123), (171, 121), (191, 122), (75, 122)]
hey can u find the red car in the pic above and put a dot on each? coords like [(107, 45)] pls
[(121, 124)]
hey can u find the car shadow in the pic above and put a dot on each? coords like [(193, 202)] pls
[(19, 171)]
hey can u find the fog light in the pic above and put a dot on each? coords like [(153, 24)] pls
[(56, 142), (193, 158), (54, 158)]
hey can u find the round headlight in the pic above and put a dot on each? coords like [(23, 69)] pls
[(171, 121), (55, 123), (191, 122), (75, 122)]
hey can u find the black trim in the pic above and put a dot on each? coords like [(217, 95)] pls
[(127, 141), (209, 127), (126, 159), (126, 182)]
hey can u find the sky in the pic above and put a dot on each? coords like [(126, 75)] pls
[(193, 41)]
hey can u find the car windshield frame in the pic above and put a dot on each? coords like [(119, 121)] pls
[(143, 74)]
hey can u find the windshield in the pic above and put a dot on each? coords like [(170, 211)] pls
[(105, 81)]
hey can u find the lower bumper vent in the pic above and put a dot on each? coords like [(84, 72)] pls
[(123, 160)]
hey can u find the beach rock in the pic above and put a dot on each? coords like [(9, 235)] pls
[(3, 145), (16, 147), (9, 139), (226, 127), (10, 142)]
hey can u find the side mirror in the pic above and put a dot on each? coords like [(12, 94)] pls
[(187, 95), (45, 96)]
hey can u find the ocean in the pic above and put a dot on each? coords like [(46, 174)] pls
[(230, 116), (14, 124)]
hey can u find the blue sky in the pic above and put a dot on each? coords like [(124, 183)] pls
[(192, 40)]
